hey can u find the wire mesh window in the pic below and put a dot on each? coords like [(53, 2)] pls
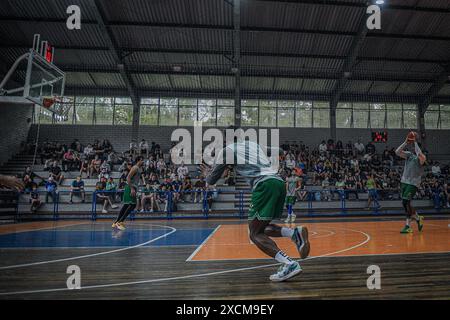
[(321, 115), (376, 115), (254, 113), (437, 117)]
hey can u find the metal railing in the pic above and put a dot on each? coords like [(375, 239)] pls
[(239, 201)]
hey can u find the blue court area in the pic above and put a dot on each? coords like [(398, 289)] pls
[(102, 238)]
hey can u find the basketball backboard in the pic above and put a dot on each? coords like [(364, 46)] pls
[(33, 75)]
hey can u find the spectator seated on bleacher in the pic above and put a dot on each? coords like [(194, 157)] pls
[(56, 172), (103, 196), (182, 171), (94, 167), (77, 189), (106, 147), (45, 151), (229, 177), (447, 193), (34, 199), (28, 178), (438, 195), (146, 195), (133, 149), (211, 195), (70, 161), (84, 167), (359, 147), (199, 187), (323, 149), (88, 152), (186, 189), (50, 188), (144, 148), (326, 194), (161, 167), (76, 146), (436, 169)]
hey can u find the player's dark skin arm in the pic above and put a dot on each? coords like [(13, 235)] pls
[(132, 173)]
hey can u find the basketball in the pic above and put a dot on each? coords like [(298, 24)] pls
[(47, 102), (412, 136)]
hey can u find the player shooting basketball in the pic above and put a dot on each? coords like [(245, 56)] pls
[(129, 193), (268, 195), (411, 179)]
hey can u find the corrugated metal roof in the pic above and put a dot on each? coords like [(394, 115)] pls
[(43, 9), (264, 14), (445, 91), (159, 81), (383, 87), (318, 85), (56, 33), (413, 88), (169, 11), (357, 86), (109, 80), (288, 84), (301, 16), (217, 82), (172, 38), (295, 43)]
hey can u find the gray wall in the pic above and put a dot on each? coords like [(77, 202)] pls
[(14, 128), (437, 140)]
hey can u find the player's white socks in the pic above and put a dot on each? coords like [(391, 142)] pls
[(408, 221), (283, 258), (287, 232)]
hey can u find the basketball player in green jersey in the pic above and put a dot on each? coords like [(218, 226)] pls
[(411, 179), (129, 194), (267, 202)]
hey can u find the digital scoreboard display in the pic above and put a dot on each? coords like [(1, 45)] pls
[(49, 53), (380, 136)]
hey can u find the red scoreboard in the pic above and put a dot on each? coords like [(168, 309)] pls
[(380, 136)]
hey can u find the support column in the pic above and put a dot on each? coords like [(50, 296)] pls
[(421, 125), (237, 61), (333, 134), (135, 121)]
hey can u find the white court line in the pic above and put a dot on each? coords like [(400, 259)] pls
[(193, 275), (93, 254), (201, 245), (46, 228)]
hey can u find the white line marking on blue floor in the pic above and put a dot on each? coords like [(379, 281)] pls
[(93, 254)]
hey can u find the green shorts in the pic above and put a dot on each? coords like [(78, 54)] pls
[(408, 191), (267, 200), (290, 200), (127, 198)]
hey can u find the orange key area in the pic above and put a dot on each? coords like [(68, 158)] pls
[(231, 242)]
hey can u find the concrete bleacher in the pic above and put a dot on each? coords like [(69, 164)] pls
[(228, 202)]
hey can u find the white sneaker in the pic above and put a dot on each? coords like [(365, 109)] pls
[(142, 210), (288, 219), (293, 216), (286, 271), (104, 211), (300, 238), (114, 206), (151, 211)]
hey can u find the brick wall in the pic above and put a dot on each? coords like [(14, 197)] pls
[(15, 122), (120, 135)]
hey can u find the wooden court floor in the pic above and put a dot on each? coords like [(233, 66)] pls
[(215, 259)]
